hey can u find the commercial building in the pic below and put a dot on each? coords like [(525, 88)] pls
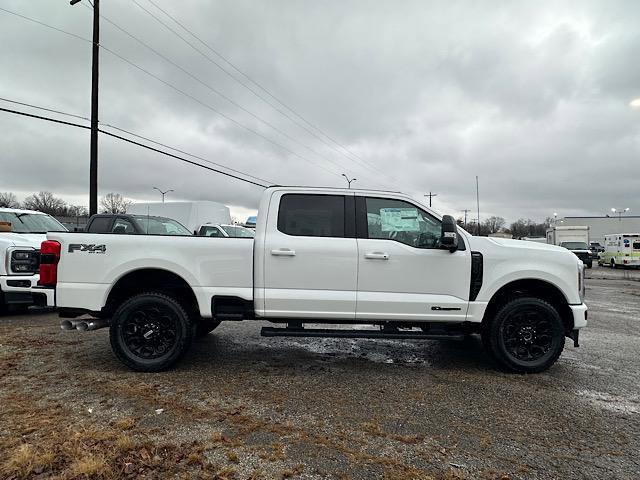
[(601, 226)]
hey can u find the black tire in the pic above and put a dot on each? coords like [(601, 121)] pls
[(613, 263), (150, 332), (3, 306), (590, 264), (526, 335), (205, 327)]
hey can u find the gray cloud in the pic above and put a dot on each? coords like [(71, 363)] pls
[(533, 98)]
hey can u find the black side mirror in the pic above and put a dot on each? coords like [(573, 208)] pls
[(449, 234)]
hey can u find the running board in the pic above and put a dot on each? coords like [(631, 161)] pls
[(335, 333)]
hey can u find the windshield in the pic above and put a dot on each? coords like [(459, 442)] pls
[(160, 226), (238, 232), (574, 245), (31, 222)]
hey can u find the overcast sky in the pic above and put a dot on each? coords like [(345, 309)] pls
[(533, 97)]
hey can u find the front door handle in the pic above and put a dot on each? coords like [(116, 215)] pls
[(283, 252), (377, 256)]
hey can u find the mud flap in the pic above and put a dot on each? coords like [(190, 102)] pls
[(574, 335)]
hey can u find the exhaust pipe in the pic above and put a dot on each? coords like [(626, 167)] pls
[(89, 326), (69, 324)]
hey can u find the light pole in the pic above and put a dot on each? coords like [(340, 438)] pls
[(430, 195), (93, 149), (349, 181), (163, 193), (620, 211), (555, 217), (466, 210)]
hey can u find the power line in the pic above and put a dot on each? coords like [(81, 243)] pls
[(216, 91), (249, 129), (119, 137), (45, 109), (248, 87)]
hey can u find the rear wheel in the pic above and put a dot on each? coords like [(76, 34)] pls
[(613, 263), (526, 335), (150, 332)]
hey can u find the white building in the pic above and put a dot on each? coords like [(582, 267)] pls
[(601, 226)]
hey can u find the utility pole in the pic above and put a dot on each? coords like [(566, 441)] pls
[(163, 193), (466, 210), (430, 195), (478, 205), (93, 149), (349, 180)]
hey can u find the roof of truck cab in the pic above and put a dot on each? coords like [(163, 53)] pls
[(21, 210)]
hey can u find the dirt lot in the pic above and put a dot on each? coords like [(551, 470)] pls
[(241, 406)]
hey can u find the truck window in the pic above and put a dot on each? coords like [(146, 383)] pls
[(100, 225), (311, 215), (401, 221)]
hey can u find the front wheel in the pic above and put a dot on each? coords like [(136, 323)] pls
[(589, 264), (150, 332), (613, 263), (526, 335)]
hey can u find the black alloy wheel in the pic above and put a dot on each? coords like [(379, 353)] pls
[(150, 332), (526, 335)]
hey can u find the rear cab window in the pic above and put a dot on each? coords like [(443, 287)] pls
[(100, 225), (312, 215)]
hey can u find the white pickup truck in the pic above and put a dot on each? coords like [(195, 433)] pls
[(321, 256), (21, 233)]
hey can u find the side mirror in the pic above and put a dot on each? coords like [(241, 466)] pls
[(449, 234)]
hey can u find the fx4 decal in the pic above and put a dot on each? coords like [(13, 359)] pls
[(90, 248)]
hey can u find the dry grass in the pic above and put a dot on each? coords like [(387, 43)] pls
[(124, 443), (92, 466), (25, 460), (126, 423)]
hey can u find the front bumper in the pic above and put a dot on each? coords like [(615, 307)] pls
[(16, 289), (579, 315)]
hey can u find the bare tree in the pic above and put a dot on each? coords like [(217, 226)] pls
[(114, 203), (494, 224), (76, 211), (8, 200), (45, 202)]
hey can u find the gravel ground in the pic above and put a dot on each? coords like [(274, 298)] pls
[(242, 406)]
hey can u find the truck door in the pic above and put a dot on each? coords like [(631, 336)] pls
[(310, 257), (402, 275)]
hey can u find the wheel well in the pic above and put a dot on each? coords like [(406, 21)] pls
[(151, 280), (534, 288)]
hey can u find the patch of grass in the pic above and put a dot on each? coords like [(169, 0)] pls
[(124, 443), (25, 460), (290, 472), (90, 466), (233, 457), (126, 423)]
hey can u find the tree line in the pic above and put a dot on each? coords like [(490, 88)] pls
[(518, 229), (47, 202)]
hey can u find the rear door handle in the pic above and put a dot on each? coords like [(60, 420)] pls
[(283, 252), (377, 256)]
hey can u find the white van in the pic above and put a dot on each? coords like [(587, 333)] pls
[(621, 249), (190, 214)]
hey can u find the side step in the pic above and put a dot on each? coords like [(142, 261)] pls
[(387, 333)]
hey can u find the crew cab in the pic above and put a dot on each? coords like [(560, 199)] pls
[(21, 233), (321, 256)]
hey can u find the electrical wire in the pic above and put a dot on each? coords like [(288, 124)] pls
[(217, 92), (119, 137), (344, 150), (249, 129)]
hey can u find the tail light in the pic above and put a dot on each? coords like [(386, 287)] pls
[(49, 258)]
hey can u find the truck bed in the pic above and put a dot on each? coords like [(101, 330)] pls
[(91, 264)]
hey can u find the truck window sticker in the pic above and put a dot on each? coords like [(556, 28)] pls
[(399, 220)]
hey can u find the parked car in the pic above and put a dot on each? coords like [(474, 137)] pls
[(21, 233), (580, 250), (227, 231), (330, 256), (135, 225)]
